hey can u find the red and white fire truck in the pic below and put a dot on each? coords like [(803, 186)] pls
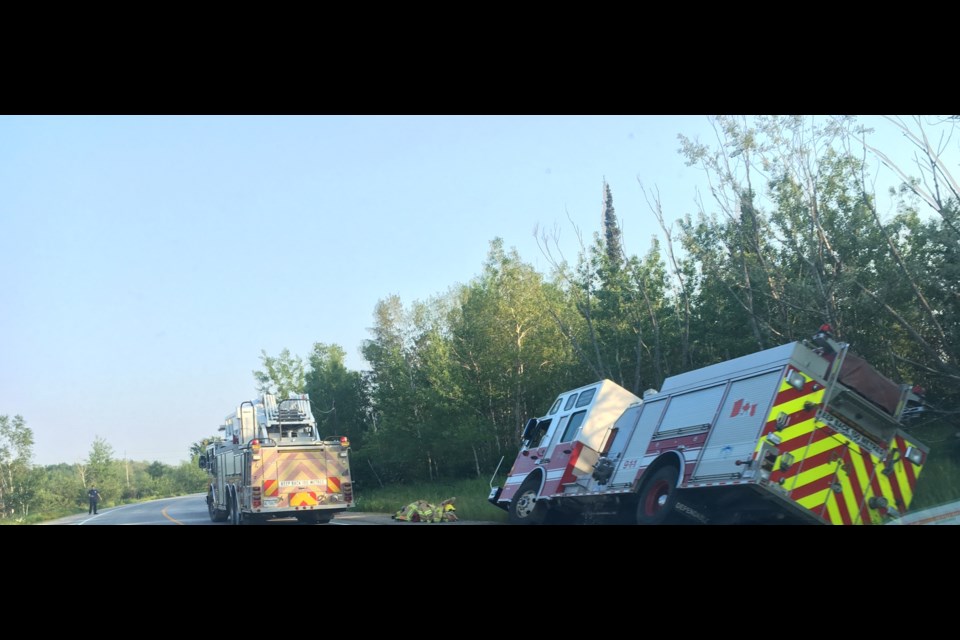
[(806, 432), (271, 463)]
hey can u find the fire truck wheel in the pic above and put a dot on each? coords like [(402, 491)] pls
[(216, 515), (657, 496), (313, 517), (525, 508), (234, 508)]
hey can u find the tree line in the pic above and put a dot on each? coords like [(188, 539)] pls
[(789, 237), (31, 492)]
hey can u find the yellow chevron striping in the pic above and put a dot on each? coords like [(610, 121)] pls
[(886, 490), (852, 475), (813, 500), (270, 488), (806, 476), (333, 485), (832, 511), (847, 479), (859, 472), (825, 444), (303, 499), (859, 468), (851, 481), (797, 430), (901, 477), (793, 406)]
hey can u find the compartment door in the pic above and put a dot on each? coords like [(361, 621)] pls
[(744, 411)]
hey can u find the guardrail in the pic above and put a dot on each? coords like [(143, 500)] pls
[(944, 514)]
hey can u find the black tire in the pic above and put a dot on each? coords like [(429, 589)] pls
[(216, 515), (314, 517), (657, 496), (525, 508), (235, 518)]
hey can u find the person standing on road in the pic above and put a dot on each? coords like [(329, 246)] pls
[(94, 496)]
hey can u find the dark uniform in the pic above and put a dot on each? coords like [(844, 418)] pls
[(94, 496)]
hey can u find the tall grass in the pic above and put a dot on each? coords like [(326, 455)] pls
[(939, 483), (471, 498)]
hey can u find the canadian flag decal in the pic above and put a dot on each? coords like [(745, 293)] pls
[(741, 408)]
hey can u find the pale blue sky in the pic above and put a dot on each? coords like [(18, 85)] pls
[(145, 261)]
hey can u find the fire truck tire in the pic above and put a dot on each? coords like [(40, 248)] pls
[(525, 508), (314, 517), (657, 496), (216, 515), (234, 508)]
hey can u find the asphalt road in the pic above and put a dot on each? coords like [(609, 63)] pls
[(191, 510)]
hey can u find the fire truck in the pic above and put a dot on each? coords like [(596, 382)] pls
[(807, 432), (271, 463)]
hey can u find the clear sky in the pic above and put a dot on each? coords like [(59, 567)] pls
[(145, 261)]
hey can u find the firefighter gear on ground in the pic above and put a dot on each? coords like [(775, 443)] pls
[(423, 511)]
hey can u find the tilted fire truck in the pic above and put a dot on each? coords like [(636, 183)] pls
[(806, 432), (271, 463)]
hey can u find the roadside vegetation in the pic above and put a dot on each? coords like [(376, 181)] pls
[(938, 485), (471, 498)]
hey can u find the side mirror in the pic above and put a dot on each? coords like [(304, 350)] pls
[(203, 462)]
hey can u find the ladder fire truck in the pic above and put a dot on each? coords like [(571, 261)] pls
[(271, 463), (806, 432)]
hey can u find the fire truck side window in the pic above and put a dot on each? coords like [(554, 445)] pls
[(542, 429), (575, 421), (570, 401), (586, 397), (555, 407)]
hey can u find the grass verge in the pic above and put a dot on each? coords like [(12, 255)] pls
[(471, 498)]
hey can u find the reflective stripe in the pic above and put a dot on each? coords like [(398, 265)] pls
[(831, 475), (304, 499)]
